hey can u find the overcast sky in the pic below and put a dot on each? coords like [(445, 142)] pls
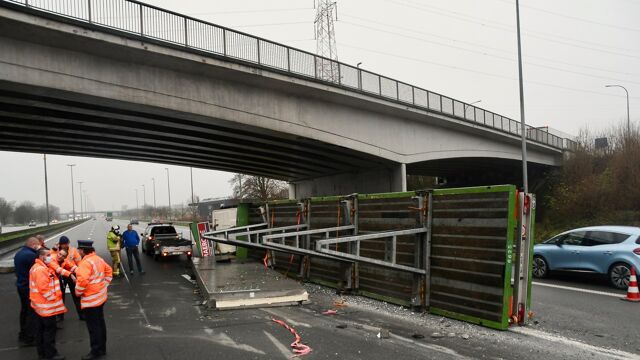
[(465, 49)]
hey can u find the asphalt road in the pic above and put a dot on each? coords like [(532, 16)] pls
[(158, 316)]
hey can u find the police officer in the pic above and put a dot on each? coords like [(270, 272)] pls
[(93, 278), (46, 301), (70, 263)]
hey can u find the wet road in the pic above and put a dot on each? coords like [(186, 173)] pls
[(158, 316)]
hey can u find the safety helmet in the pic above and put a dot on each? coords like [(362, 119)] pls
[(116, 228)]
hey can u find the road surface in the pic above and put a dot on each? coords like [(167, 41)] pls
[(159, 316)]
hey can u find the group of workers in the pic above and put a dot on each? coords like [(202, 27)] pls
[(43, 276)]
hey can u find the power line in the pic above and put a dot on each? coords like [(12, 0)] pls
[(249, 11), (271, 24), (491, 55), (480, 72), (485, 46), (576, 18), (506, 27)]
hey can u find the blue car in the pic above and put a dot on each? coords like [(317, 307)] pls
[(610, 250)]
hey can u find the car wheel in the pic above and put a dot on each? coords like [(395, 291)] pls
[(619, 275), (540, 267)]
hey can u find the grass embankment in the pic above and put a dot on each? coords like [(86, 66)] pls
[(595, 186)]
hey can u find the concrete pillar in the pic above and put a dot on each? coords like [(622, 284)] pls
[(292, 191), (363, 181)]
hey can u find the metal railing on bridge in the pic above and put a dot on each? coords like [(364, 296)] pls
[(162, 25)]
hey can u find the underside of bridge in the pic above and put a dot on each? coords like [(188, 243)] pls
[(32, 120)]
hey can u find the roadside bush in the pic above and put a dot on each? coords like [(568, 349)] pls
[(596, 186)]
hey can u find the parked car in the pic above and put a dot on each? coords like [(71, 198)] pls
[(32, 223), (610, 250), (54, 221), (134, 222)]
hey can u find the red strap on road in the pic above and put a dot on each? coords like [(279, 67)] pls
[(298, 347)]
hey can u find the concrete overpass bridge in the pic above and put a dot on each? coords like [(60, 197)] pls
[(122, 79)]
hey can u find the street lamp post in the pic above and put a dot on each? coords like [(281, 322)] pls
[(168, 191), (73, 201), (137, 205), (46, 189), (523, 126), (154, 192), (81, 206), (193, 213), (628, 118)]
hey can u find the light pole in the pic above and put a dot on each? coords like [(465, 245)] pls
[(628, 118), (86, 202), (81, 207), (137, 205), (523, 126), (193, 213), (467, 106), (144, 197), (359, 75), (154, 192), (168, 191), (46, 189), (73, 201)]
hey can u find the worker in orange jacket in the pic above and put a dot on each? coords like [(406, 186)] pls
[(93, 278), (46, 301), (70, 263)]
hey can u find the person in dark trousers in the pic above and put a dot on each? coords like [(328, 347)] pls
[(70, 263), (46, 301), (130, 240), (93, 278), (23, 261)]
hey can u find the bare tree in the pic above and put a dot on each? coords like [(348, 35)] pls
[(258, 188), (6, 209)]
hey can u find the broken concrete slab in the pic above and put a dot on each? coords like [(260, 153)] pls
[(236, 285)]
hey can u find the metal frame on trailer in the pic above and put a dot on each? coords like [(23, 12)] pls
[(322, 246), (460, 248)]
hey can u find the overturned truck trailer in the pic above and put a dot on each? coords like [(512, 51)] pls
[(462, 253)]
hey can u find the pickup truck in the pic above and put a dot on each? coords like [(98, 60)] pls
[(162, 240)]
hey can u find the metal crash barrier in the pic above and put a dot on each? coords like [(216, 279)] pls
[(462, 253)]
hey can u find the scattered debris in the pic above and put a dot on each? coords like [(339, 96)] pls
[(437, 335), (451, 334), (298, 347), (341, 326), (340, 303), (188, 278), (330, 312), (465, 336), (417, 336), (383, 334)]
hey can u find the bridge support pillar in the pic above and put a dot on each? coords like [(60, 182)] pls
[(384, 179)]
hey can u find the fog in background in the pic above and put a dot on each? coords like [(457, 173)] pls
[(465, 49)]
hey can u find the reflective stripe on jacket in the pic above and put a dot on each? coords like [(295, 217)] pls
[(72, 260), (55, 265), (93, 278), (45, 293)]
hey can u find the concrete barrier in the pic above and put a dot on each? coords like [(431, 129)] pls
[(13, 240)]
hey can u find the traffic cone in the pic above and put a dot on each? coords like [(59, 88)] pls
[(632, 292)]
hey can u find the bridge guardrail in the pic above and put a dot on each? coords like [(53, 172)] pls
[(12, 240), (155, 23)]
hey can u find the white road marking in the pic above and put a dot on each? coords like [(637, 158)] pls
[(62, 233), (578, 289), (225, 340), (600, 351), (283, 349)]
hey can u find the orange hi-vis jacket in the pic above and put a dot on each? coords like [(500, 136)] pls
[(93, 278), (72, 260), (45, 293), (55, 265)]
